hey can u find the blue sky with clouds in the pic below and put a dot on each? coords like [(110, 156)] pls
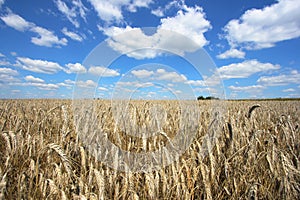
[(45, 47)]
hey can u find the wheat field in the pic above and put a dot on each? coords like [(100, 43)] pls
[(255, 156)]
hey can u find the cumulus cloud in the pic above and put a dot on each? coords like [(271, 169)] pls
[(45, 37), (44, 86), (127, 40), (72, 35), (245, 69), (103, 71), (38, 66), (159, 74), (191, 22), (33, 79), (263, 28), (142, 73), (111, 11), (7, 79), (162, 74), (4, 63), (196, 82), (187, 28), (75, 68), (68, 81), (283, 79), (16, 22), (8, 71), (86, 84), (232, 53), (7, 75)]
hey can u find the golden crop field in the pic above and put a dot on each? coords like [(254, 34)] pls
[(255, 156)]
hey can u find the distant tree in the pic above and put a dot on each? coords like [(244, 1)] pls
[(211, 98), (200, 98), (207, 98)]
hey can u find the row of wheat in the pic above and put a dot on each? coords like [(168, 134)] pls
[(255, 153)]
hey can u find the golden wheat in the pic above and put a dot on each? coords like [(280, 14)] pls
[(254, 153)]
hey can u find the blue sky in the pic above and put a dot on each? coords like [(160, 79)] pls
[(47, 48)]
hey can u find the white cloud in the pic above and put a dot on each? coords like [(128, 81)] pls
[(151, 94), (35, 82), (142, 73), (2, 55), (7, 75), (64, 85), (111, 11), (86, 84), (107, 11), (102, 89), (33, 79), (191, 22), (128, 40), (132, 7), (8, 71), (39, 66), (158, 12), (7, 79), (196, 82), (16, 22), (132, 84), (289, 90), (45, 37), (162, 74), (159, 74), (245, 69), (75, 68), (174, 4), (72, 35), (44, 86), (103, 71), (246, 88), (262, 28), (187, 28), (81, 8), (4, 63), (284, 79), (68, 81), (231, 53), (71, 13), (253, 90)]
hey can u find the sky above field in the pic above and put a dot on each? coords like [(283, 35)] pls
[(47, 48)]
